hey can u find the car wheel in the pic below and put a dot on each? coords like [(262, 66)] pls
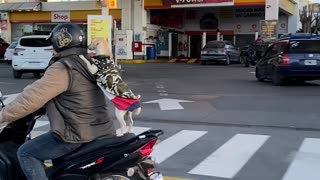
[(17, 74), (203, 62), (259, 76), (276, 79), (227, 62), (36, 74)]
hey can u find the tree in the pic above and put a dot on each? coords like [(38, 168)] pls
[(310, 18)]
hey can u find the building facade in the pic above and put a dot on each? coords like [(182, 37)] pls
[(181, 27)]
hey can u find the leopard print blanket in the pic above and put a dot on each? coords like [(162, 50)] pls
[(109, 78)]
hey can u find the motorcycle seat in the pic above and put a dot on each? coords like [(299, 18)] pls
[(95, 145)]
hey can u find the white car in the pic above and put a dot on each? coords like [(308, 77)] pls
[(9, 52), (31, 55)]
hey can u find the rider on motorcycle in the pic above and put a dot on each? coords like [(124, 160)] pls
[(75, 105)]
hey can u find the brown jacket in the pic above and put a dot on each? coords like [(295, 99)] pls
[(54, 82), (75, 105)]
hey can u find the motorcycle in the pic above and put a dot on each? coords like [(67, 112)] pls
[(120, 158)]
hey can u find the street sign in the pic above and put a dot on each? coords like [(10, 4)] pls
[(168, 104), (268, 30)]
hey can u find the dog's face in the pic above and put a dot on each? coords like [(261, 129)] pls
[(98, 42), (100, 46)]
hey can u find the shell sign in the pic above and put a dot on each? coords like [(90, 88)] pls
[(193, 3), (111, 4)]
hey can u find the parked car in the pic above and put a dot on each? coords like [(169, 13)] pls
[(220, 51), (3, 46), (9, 52), (31, 55), (291, 58)]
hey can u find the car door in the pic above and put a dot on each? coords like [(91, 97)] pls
[(262, 64), (273, 58)]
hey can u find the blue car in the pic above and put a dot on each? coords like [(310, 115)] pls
[(292, 57)]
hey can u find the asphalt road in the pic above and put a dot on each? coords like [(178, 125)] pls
[(228, 125)]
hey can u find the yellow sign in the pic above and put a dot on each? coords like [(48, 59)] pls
[(99, 27), (112, 4), (288, 6)]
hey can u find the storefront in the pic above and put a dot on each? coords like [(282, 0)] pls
[(187, 24), (41, 21)]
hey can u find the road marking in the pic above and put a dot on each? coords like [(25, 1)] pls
[(40, 124), (306, 162), (175, 143), (5, 83), (252, 72), (9, 98), (227, 161), (35, 134), (168, 104), (136, 130)]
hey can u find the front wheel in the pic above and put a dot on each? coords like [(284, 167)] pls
[(17, 74), (114, 176), (276, 79)]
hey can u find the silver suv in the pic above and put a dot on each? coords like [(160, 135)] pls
[(219, 51)]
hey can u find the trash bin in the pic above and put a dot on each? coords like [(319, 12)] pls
[(151, 53)]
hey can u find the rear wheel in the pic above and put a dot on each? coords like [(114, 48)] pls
[(17, 74), (114, 176), (258, 75), (36, 74), (227, 62), (276, 79), (203, 62)]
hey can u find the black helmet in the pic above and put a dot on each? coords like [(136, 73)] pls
[(67, 35)]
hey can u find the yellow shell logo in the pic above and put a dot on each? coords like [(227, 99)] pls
[(63, 38)]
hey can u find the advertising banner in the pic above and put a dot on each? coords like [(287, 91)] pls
[(100, 30), (197, 3), (268, 30)]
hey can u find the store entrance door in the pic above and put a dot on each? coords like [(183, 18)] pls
[(174, 47), (195, 46)]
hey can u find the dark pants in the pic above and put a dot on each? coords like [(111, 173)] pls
[(45, 147)]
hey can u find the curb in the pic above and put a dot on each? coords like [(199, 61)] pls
[(129, 61), (174, 60)]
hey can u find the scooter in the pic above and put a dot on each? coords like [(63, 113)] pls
[(120, 158)]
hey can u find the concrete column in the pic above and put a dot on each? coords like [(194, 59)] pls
[(126, 15), (272, 10), (189, 46), (204, 39), (170, 45), (294, 21), (139, 22), (256, 34)]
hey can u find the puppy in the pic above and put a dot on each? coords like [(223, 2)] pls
[(109, 80)]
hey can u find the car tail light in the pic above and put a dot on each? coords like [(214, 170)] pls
[(285, 59), (17, 50), (147, 149)]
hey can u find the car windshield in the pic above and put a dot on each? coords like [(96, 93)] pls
[(13, 45), (35, 42), (215, 44), (304, 46)]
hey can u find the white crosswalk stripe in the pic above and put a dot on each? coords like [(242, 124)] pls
[(230, 157), (306, 162), (228, 160), (176, 143)]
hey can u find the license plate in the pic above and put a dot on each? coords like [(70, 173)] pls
[(310, 62)]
